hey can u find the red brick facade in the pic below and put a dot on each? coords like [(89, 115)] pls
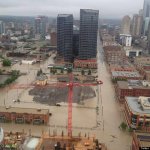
[(135, 92), (91, 64), (24, 117)]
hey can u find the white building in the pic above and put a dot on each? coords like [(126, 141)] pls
[(126, 39), (1, 135), (132, 52), (28, 62)]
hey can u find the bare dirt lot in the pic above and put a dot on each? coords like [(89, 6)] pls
[(53, 95)]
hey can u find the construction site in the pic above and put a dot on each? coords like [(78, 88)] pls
[(48, 141), (53, 95)]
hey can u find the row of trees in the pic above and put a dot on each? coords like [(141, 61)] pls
[(14, 75), (6, 62), (54, 71)]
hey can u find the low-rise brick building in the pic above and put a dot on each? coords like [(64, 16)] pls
[(137, 112), (91, 64), (126, 67), (24, 115), (132, 88)]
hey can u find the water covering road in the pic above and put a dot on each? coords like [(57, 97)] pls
[(112, 114)]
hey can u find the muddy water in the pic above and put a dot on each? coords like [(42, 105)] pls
[(83, 118), (112, 114), (8, 95)]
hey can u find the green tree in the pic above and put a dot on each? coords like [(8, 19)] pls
[(39, 72), (89, 72), (82, 72), (123, 126), (69, 70), (62, 70), (6, 62)]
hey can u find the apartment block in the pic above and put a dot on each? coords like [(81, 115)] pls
[(137, 112), (91, 64)]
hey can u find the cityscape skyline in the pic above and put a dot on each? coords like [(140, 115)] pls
[(52, 8)]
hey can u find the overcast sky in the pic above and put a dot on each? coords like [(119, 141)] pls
[(107, 8)]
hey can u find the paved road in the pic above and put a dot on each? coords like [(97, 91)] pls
[(111, 114)]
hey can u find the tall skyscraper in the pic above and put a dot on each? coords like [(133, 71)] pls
[(148, 37), (65, 36), (2, 27), (40, 27), (88, 33), (146, 16), (136, 25), (125, 25), (146, 9)]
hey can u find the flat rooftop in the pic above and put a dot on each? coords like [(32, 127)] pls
[(64, 15), (132, 84), (90, 10), (135, 106), (125, 74), (23, 110)]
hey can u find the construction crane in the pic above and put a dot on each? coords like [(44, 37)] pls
[(71, 84)]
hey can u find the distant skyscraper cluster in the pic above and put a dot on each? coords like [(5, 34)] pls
[(72, 42), (138, 26)]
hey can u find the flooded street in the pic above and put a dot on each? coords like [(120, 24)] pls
[(114, 138), (100, 116)]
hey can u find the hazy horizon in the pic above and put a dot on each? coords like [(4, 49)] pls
[(108, 8)]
